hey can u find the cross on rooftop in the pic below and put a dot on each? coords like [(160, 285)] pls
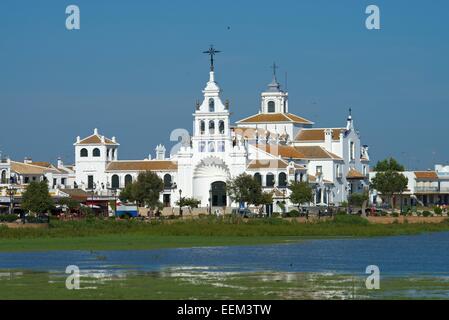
[(211, 52)]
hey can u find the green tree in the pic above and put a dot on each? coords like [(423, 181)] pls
[(244, 189), (127, 194), (188, 202), (36, 198), (389, 183), (69, 203), (389, 164), (264, 199), (357, 199), (301, 193), (145, 190)]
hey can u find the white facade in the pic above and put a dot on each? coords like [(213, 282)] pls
[(424, 188), (274, 145)]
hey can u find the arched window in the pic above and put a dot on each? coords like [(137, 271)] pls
[(113, 154), (115, 182), (351, 150), (211, 127), (211, 146), (221, 146), (96, 152), (83, 153), (128, 179), (202, 127), (221, 127), (270, 180), (211, 105), (271, 107), (258, 178), (167, 181), (202, 146), (3, 177), (282, 180)]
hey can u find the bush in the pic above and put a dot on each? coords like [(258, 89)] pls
[(426, 213), (292, 214), (36, 219), (8, 217), (438, 211), (395, 214)]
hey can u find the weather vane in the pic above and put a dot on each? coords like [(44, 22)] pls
[(211, 52)]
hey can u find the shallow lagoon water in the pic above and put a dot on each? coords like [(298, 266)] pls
[(411, 267), (400, 255)]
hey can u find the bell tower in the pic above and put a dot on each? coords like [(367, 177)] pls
[(274, 100), (211, 132)]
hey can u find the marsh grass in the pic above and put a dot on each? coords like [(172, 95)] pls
[(207, 231), (208, 226)]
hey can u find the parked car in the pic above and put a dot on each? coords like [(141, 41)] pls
[(244, 212)]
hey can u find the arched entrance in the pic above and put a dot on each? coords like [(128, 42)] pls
[(218, 190)]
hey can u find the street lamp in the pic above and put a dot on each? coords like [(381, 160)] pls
[(210, 201), (94, 186)]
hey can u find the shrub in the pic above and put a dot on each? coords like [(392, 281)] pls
[(292, 214), (395, 214), (8, 217), (426, 213), (438, 211)]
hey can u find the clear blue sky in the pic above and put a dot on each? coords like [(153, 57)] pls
[(136, 68)]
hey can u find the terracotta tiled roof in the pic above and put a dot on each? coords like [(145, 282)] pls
[(275, 117), (354, 174), (25, 168), (426, 175), (316, 152), (42, 164), (96, 139), (281, 150), (260, 164), (305, 152), (317, 134), (77, 194), (143, 165)]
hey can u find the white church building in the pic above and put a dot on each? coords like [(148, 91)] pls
[(274, 145)]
